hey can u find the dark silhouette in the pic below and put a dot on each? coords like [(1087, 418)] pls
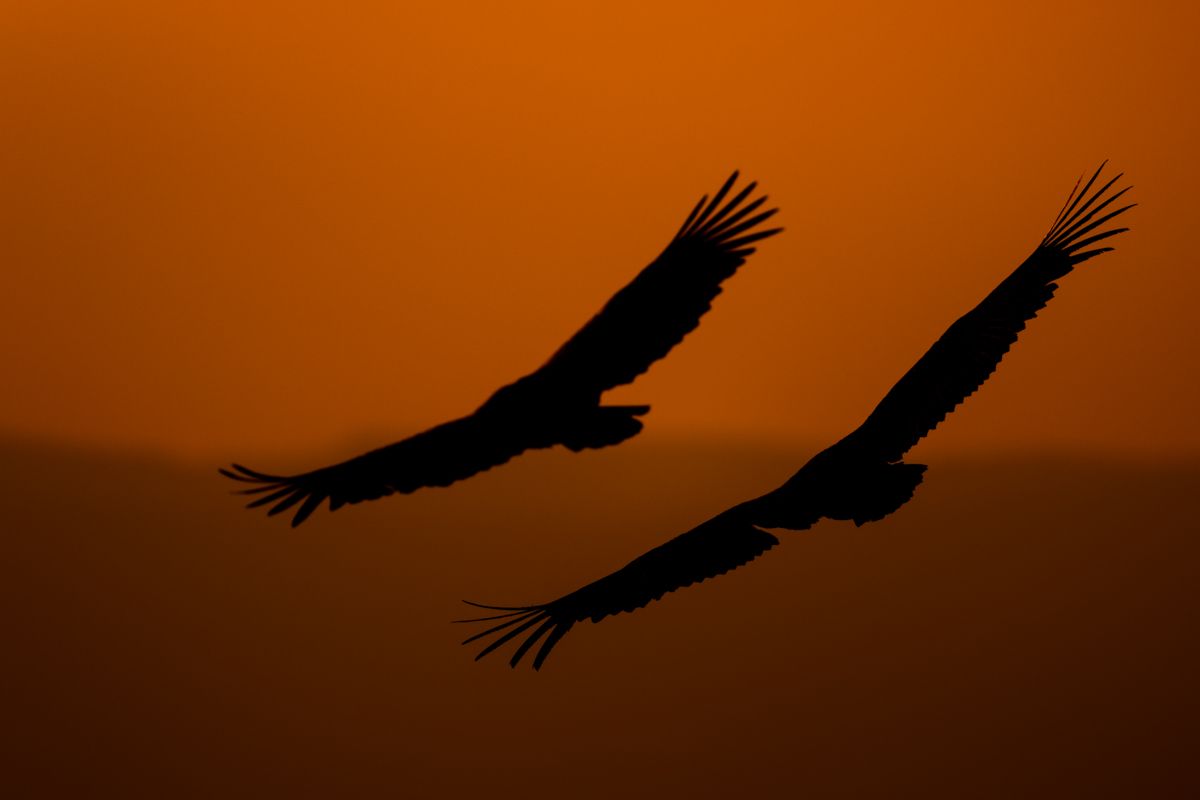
[(861, 478), (559, 403)]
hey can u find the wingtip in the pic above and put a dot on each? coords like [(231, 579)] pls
[(514, 611), (1073, 221), (497, 608), (233, 476), (234, 472), (240, 472)]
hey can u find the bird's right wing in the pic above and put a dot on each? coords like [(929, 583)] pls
[(652, 314), (971, 349), (725, 542)]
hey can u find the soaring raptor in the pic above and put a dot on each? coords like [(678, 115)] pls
[(862, 477), (560, 402)]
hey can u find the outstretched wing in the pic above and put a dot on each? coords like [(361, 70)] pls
[(725, 542), (436, 457), (971, 349), (652, 314)]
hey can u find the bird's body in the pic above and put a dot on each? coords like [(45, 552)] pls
[(559, 403), (860, 478)]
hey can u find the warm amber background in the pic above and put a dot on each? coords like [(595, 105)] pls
[(278, 231)]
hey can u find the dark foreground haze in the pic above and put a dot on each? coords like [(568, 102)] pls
[(1024, 627)]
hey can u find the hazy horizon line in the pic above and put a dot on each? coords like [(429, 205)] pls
[(800, 449)]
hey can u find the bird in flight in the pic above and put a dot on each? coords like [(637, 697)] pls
[(860, 478), (560, 402)]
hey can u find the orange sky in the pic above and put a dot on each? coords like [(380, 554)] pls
[(236, 228)]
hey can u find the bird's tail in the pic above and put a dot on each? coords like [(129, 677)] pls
[(602, 426), (884, 489)]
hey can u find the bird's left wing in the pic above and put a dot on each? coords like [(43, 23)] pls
[(439, 456), (971, 349), (719, 545), (650, 315)]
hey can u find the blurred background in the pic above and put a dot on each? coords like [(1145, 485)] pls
[(281, 233)]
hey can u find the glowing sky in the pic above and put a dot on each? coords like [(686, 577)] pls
[(241, 228)]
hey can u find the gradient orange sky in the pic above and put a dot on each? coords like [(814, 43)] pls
[(234, 228)]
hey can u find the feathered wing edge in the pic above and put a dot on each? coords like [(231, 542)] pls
[(725, 228), (649, 316), (1071, 227), (724, 543), (971, 349), (282, 490), (440, 456)]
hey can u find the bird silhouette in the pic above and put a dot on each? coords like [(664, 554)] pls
[(861, 477), (560, 402)]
